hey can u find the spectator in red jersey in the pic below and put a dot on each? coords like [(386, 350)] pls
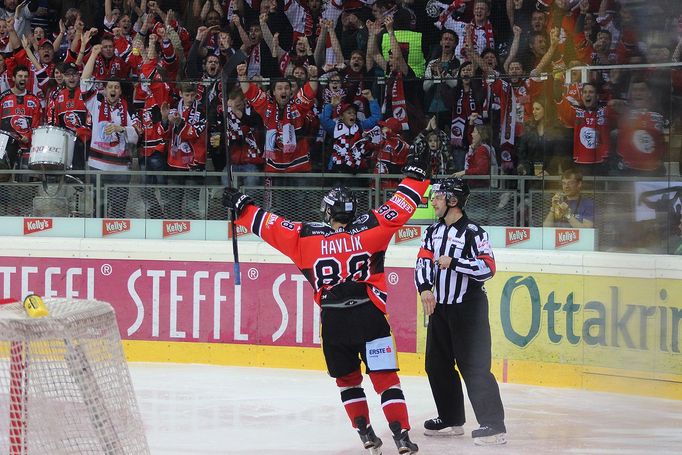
[(590, 130), (20, 114), (639, 139), (244, 138), (155, 134), (108, 65), (187, 152), (389, 149), (284, 115), (301, 53), (480, 159), (67, 110)]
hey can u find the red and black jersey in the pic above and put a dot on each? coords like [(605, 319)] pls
[(188, 140), (590, 132), (287, 148), (20, 114), (641, 140), (343, 265), (110, 70), (67, 110), (154, 134)]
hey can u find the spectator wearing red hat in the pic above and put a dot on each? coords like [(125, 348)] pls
[(348, 146), (389, 149)]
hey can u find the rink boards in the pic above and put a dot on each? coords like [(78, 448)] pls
[(608, 322)]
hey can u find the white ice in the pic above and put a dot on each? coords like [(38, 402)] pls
[(207, 410)]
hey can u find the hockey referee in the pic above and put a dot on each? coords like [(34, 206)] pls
[(454, 260)]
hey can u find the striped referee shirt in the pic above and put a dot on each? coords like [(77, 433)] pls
[(472, 262)]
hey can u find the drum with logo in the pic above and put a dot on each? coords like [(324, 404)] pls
[(51, 148), (5, 163)]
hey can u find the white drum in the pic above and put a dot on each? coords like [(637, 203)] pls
[(51, 148), (5, 140)]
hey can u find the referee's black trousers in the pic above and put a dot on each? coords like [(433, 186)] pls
[(459, 334)]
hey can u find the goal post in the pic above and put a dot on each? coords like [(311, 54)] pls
[(65, 387)]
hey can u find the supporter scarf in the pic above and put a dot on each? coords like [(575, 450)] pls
[(236, 133), (254, 61), (395, 93), (286, 133), (105, 110), (447, 12), (488, 31), (349, 150), (463, 109)]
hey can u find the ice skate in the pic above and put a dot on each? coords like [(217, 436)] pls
[(370, 440), (437, 427), (402, 439), (489, 436)]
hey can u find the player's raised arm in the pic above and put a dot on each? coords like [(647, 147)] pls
[(401, 206), (277, 231)]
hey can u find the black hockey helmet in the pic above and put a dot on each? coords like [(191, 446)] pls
[(339, 204), (452, 187)]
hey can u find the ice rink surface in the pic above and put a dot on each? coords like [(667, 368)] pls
[(207, 410)]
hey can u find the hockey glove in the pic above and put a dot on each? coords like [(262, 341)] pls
[(235, 200), (418, 165)]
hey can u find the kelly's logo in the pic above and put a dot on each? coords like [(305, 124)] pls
[(175, 227), (110, 227), (565, 237), (241, 230), (406, 234), (33, 225), (516, 235)]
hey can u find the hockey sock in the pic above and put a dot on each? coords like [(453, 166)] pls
[(387, 384), (353, 397)]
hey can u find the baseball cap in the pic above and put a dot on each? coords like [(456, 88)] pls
[(343, 107), (392, 124), (43, 42), (70, 66)]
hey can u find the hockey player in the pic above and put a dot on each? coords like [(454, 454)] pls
[(343, 259)]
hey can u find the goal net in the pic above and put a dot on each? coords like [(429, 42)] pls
[(64, 383)]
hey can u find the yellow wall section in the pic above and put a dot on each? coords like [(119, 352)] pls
[(516, 371)]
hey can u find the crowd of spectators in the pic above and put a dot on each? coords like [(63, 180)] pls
[(341, 86)]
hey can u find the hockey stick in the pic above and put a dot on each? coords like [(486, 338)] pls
[(102, 422), (229, 70)]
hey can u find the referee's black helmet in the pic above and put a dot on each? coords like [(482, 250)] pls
[(452, 188), (339, 205)]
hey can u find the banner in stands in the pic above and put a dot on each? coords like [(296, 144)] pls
[(196, 301)]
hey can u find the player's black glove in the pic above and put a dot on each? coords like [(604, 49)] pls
[(236, 200), (418, 164)]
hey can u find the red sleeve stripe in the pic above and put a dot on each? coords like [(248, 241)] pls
[(489, 261), (424, 253)]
